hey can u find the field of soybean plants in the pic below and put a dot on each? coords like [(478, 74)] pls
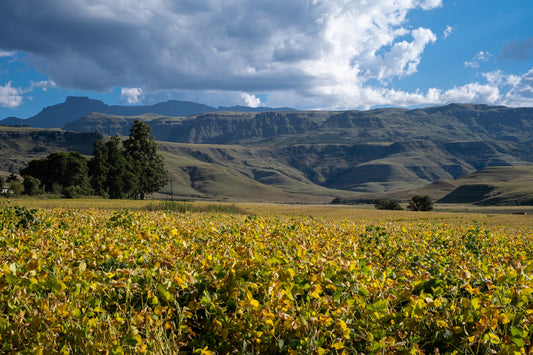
[(250, 280)]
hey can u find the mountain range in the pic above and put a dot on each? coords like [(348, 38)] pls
[(75, 107), (309, 156)]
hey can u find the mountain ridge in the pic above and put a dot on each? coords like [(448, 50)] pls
[(74, 107), (445, 123)]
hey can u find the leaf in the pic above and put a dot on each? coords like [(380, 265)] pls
[(516, 332), (316, 290), (82, 267), (33, 264), (13, 268), (301, 252), (519, 342), (493, 338), (476, 302), (163, 292), (338, 345), (254, 303)]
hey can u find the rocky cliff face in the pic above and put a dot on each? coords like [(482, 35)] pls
[(445, 124)]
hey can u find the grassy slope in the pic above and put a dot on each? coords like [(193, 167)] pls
[(20, 145), (238, 173), (500, 185), (508, 185)]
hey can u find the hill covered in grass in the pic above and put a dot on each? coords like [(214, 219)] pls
[(491, 186), (509, 185), (19, 145)]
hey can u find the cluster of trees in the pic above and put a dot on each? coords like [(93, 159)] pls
[(417, 203), (131, 168)]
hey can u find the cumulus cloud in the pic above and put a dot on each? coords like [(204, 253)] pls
[(9, 96), (12, 97), (402, 59), (300, 46), (132, 95), (251, 100)]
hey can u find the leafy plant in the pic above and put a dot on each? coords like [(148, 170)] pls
[(18, 217), (123, 281)]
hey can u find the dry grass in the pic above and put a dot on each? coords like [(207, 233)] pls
[(451, 214)]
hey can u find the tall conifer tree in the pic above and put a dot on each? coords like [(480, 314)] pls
[(147, 164)]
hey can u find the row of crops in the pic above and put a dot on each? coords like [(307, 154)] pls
[(91, 281)]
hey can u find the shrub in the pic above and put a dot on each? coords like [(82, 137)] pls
[(16, 188), (72, 192), (184, 207), (420, 203), (387, 205), (32, 186)]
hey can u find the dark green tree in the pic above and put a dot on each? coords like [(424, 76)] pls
[(99, 169), (16, 188), (111, 173), (387, 205), (121, 182), (32, 186), (60, 168), (420, 203), (1, 182), (147, 164)]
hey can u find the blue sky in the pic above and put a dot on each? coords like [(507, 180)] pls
[(305, 54)]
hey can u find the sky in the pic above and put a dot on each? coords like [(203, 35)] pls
[(304, 54)]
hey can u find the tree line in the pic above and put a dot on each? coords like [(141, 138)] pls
[(131, 168)]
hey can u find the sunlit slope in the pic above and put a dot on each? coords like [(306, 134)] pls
[(508, 185)]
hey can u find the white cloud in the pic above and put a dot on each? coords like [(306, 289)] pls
[(323, 54), (448, 31), (402, 59), (43, 85), (9, 96), (132, 95), (305, 47), (13, 97), (6, 54), (521, 92), (478, 58), (430, 4), (251, 100)]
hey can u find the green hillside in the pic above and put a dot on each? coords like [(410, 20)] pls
[(509, 185), (18, 145), (498, 185)]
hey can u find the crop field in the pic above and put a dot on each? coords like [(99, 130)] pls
[(113, 281)]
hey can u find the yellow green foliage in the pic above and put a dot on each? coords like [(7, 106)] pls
[(97, 281)]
